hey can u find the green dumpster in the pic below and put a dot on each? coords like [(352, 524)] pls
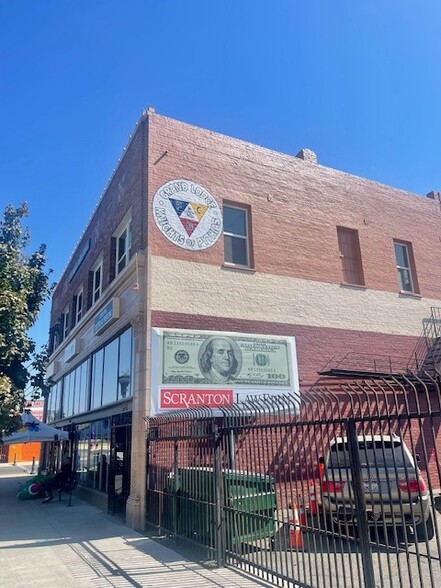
[(249, 504)]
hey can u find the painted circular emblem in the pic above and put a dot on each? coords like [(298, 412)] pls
[(187, 214)]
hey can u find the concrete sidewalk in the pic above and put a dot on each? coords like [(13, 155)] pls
[(53, 546)]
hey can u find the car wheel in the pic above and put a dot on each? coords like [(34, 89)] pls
[(425, 530)]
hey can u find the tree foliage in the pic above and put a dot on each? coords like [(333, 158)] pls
[(24, 286)]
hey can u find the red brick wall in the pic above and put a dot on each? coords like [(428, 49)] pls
[(315, 345), (126, 189), (296, 207)]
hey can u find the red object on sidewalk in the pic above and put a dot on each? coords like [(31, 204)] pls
[(312, 498)]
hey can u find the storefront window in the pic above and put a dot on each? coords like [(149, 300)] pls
[(69, 394), (105, 457), (125, 365), (81, 387), (56, 408), (97, 379), (106, 376), (94, 454), (83, 434), (49, 402)]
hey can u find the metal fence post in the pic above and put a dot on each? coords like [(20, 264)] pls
[(360, 506), (175, 487), (219, 497)]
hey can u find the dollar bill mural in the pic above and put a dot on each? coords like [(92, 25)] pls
[(213, 359)]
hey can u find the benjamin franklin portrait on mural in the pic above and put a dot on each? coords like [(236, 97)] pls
[(220, 360)]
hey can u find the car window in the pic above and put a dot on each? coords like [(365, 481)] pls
[(380, 454)]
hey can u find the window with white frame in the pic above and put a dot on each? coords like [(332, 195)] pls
[(237, 249), (405, 269), (123, 244), (97, 279), (65, 322), (78, 305)]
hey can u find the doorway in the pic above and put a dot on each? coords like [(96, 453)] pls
[(119, 471)]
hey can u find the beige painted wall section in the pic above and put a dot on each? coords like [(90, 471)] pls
[(197, 288)]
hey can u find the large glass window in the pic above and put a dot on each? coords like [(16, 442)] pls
[(125, 365), (236, 235), (54, 402), (58, 412), (69, 394), (97, 379), (82, 387), (94, 454), (115, 361), (103, 378), (83, 433), (49, 404), (110, 378), (105, 457)]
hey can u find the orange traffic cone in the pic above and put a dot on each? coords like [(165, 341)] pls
[(295, 533), (312, 498)]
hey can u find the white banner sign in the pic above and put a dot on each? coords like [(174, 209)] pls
[(206, 368)]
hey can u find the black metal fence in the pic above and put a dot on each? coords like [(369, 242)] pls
[(335, 487), (367, 364)]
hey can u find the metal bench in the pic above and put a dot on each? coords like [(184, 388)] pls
[(69, 486)]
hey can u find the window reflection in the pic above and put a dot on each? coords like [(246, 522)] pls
[(97, 379), (94, 454), (110, 384), (101, 379), (125, 365)]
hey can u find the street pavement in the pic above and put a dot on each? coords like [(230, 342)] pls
[(54, 546)]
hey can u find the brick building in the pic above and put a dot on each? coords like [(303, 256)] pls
[(202, 232)]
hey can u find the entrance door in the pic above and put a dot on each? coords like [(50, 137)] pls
[(119, 475)]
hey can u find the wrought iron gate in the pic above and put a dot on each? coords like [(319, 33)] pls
[(336, 487)]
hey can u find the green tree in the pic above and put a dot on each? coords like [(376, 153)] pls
[(24, 286)]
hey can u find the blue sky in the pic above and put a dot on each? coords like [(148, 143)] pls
[(357, 82)]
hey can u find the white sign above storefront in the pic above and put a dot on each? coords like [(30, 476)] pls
[(187, 215), (72, 350)]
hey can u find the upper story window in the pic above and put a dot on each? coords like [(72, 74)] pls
[(405, 266), (65, 323), (78, 306), (97, 280), (123, 244), (120, 246), (237, 247), (54, 337), (350, 255)]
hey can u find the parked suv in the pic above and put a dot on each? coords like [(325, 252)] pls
[(395, 492)]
